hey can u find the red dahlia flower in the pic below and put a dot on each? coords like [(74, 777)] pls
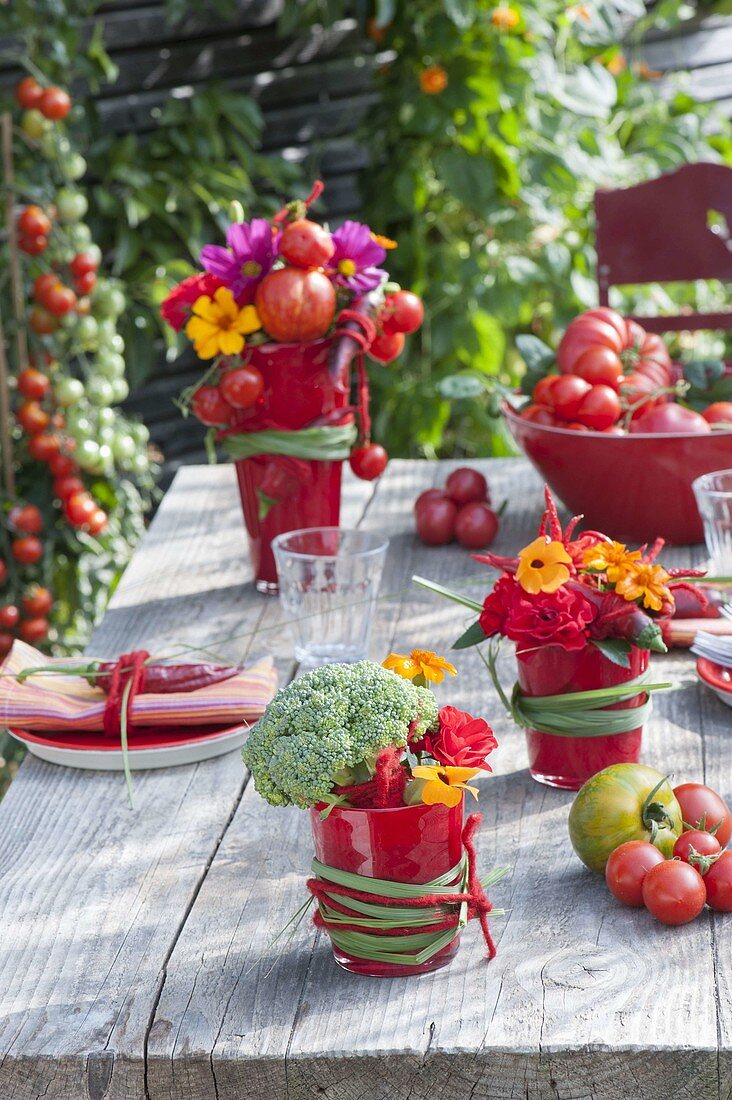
[(461, 741), (176, 308), (558, 618)]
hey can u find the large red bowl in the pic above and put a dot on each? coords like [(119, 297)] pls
[(634, 487)]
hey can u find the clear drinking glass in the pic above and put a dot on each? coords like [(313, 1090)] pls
[(329, 579), (713, 494)]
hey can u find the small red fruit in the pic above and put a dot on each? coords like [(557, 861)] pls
[(6, 643), (3, 571), (403, 312), (719, 413), (34, 222), (539, 414), (435, 520), (60, 300), (98, 522), (41, 321), (600, 408), (27, 550), (26, 518), (62, 465), (33, 384), (9, 617), (306, 244), (84, 284), (242, 387), (42, 446), (33, 246), (34, 630), (386, 346), (465, 485), (79, 508), (428, 494), (37, 600), (28, 93), (64, 487), (42, 284), (54, 103), (369, 462), (295, 305), (32, 418), (476, 525), (83, 263), (208, 406), (568, 393)]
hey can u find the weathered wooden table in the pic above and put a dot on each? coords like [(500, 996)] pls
[(134, 959)]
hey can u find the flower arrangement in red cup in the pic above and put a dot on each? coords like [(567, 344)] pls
[(584, 613), (384, 772), (278, 314)]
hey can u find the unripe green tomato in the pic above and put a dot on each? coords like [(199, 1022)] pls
[(108, 301), (69, 320), (73, 167), (71, 205), (79, 425), (105, 456), (120, 390), (106, 418), (116, 343), (140, 434), (34, 124), (48, 144), (68, 391), (95, 251), (80, 236), (99, 391), (87, 455), (124, 448), (87, 332), (140, 464), (105, 435), (109, 364)]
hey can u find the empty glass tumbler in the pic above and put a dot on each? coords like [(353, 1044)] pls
[(713, 494), (329, 579)]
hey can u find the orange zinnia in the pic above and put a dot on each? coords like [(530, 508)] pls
[(420, 662), (645, 581), (504, 19), (543, 566), (433, 80), (444, 785), (611, 558)]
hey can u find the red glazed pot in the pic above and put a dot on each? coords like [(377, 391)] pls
[(411, 844), (568, 761), (298, 389), (635, 487)]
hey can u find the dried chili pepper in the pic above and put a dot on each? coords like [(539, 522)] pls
[(159, 679)]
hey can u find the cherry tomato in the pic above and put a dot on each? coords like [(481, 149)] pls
[(28, 92), (386, 346), (83, 263), (32, 418), (42, 284), (702, 808), (368, 462), (64, 487), (626, 869), (599, 365), (60, 300), (697, 848), (33, 384), (37, 600), (573, 426), (27, 550), (209, 406), (33, 246), (674, 892), (306, 244), (34, 222), (476, 525), (241, 387), (41, 321), (42, 446), (568, 393), (54, 103), (9, 617), (403, 312), (6, 643), (465, 485), (83, 284), (435, 521), (428, 494), (542, 393), (669, 419), (26, 518), (600, 408), (539, 414), (97, 522), (719, 413), (62, 465), (718, 883), (34, 630), (79, 508)]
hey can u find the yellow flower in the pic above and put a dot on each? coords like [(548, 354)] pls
[(420, 662), (385, 242), (504, 19), (543, 566), (433, 80), (218, 326), (444, 784), (643, 579), (612, 558)]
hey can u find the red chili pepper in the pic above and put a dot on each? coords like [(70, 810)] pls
[(162, 679)]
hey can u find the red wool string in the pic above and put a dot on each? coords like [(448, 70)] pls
[(130, 667), (362, 336)]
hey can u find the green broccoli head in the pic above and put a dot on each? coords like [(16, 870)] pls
[(329, 721)]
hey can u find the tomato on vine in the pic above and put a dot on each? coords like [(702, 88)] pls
[(304, 243), (37, 600), (34, 630), (27, 550), (33, 384), (718, 883), (673, 892), (33, 246), (9, 617), (41, 321), (32, 418), (26, 518), (369, 462), (83, 284), (697, 848), (626, 869), (59, 300), (703, 808), (402, 312), (386, 346), (64, 487), (34, 222), (209, 406), (242, 386), (54, 103), (42, 284), (84, 263), (79, 508), (28, 92), (97, 522), (42, 446)]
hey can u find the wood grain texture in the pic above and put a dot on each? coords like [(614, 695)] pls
[(139, 964)]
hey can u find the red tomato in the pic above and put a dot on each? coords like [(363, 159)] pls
[(599, 365), (32, 418), (3, 571), (436, 521), (28, 93), (34, 630), (33, 246), (34, 222), (64, 487), (241, 387), (26, 518), (600, 345), (83, 263), (6, 643), (295, 305), (718, 883), (539, 414), (27, 550), (600, 408), (703, 808), (62, 465), (465, 485), (626, 869), (542, 394), (37, 600), (674, 892), (719, 413), (60, 300), (9, 617), (306, 244), (33, 384), (614, 429), (97, 522), (368, 462), (83, 284), (41, 321), (42, 284), (697, 848), (79, 508), (670, 419), (42, 446), (403, 311), (574, 426), (386, 346), (209, 406), (54, 103), (428, 494), (476, 525), (568, 393)]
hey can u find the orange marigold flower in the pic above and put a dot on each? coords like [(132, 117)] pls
[(420, 662), (543, 566), (647, 582), (611, 558), (385, 242), (433, 80), (444, 785), (504, 19)]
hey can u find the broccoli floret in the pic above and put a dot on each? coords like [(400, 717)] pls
[(330, 721)]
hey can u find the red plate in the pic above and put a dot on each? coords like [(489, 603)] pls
[(717, 677)]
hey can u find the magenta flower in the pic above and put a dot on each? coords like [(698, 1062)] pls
[(355, 258), (242, 266)]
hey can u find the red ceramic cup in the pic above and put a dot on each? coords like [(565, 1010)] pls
[(568, 761), (413, 844)]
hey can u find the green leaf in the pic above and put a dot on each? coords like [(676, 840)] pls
[(474, 635), (470, 179), (616, 650), (703, 373), (461, 387), (537, 355)]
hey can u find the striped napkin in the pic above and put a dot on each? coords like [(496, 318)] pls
[(58, 703)]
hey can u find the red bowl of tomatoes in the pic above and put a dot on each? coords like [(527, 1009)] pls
[(636, 487)]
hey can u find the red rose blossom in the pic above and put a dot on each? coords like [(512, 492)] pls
[(558, 618), (461, 741), (175, 308), (497, 606)]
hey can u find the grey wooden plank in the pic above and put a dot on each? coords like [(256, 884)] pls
[(709, 43)]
